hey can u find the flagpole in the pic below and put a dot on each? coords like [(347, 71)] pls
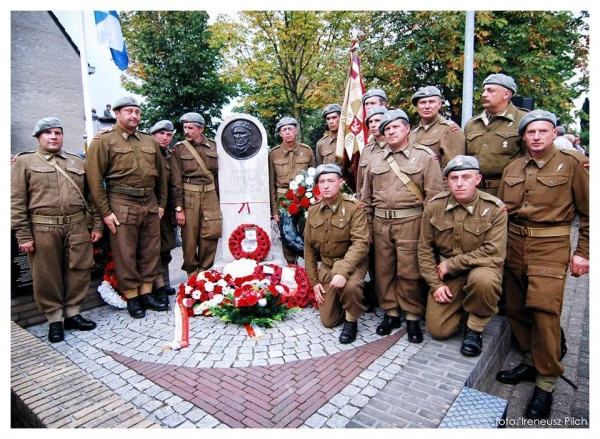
[(89, 123)]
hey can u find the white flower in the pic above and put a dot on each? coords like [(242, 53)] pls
[(309, 194), (188, 289), (217, 298), (293, 185), (313, 200), (196, 294), (299, 178), (311, 171), (222, 283), (262, 302), (241, 268), (310, 181), (209, 286)]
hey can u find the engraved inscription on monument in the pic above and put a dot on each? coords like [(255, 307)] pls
[(241, 139)]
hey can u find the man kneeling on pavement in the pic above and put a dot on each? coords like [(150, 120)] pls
[(461, 254), (337, 232)]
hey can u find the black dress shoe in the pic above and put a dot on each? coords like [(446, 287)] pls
[(472, 343), (170, 291), (78, 322), (540, 405), (135, 308), (161, 296), (349, 331), (150, 302), (522, 372), (414, 331), (55, 332), (388, 323)]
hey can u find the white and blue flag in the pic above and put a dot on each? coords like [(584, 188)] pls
[(109, 33)]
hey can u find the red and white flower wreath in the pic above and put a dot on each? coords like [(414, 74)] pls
[(238, 243)]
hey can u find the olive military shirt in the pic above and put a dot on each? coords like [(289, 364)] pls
[(185, 167), (38, 188), (442, 136), (284, 165), (550, 191), (325, 151), (466, 236), (364, 161), (338, 234), (494, 140), (118, 158)]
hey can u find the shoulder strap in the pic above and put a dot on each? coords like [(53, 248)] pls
[(404, 178), (70, 180), (203, 166)]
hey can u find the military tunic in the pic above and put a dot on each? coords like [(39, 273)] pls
[(195, 191), (471, 238), (394, 215), (494, 140), (337, 233), (130, 165), (542, 196), (325, 151), (442, 136), (284, 165), (364, 161), (47, 209)]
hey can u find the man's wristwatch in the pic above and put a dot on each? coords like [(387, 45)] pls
[(178, 209)]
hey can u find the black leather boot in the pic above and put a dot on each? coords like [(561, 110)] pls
[(150, 302), (388, 323), (170, 291), (135, 308), (414, 331), (540, 405), (161, 296), (349, 331), (55, 332), (472, 343), (78, 322), (522, 372)]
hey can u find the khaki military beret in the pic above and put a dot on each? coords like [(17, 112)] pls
[(332, 108), (378, 109), (329, 168), (126, 101), (45, 124), (426, 92), (461, 163), (374, 92), (502, 80), (162, 125), (191, 118), (536, 115), (285, 121), (389, 117)]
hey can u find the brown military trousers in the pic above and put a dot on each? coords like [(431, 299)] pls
[(61, 265), (167, 243), (534, 281), (202, 230), (338, 302), (136, 245), (475, 293), (397, 277)]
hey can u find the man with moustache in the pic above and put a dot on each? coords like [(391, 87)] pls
[(194, 182), (128, 185), (399, 180)]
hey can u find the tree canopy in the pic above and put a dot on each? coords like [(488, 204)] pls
[(175, 64)]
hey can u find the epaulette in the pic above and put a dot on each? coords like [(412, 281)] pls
[(448, 122), (304, 145), (489, 197), (73, 154), (23, 152), (274, 148), (415, 129), (575, 154), (424, 148), (351, 198), (439, 195), (106, 130)]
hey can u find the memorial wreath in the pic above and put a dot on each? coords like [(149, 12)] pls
[(249, 241)]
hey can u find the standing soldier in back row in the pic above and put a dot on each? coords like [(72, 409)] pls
[(128, 186), (48, 217), (492, 136), (443, 136), (543, 192), (325, 150), (195, 188)]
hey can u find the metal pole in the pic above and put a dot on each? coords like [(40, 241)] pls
[(467, 101), (89, 123)]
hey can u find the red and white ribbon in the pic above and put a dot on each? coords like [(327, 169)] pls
[(181, 338)]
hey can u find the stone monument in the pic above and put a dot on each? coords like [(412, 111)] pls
[(243, 181)]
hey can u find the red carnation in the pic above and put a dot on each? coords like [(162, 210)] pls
[(316, 191), (301, 190), (305, 202), (289, 194), (293, 209)]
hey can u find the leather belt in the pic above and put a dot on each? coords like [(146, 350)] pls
[(489, 182), (133, 191), (198, 187), (56, 220), (540, 232), (329, 261), (398, 213)]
